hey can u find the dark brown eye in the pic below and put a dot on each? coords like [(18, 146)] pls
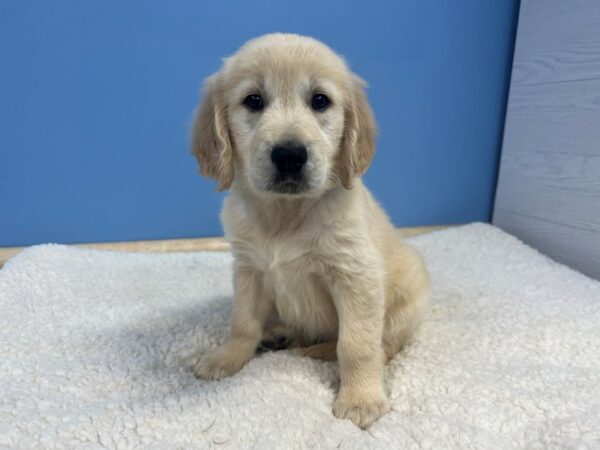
[(320, 102), (254, 102)]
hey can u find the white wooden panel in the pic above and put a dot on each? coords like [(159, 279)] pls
[(575, 134), (562, 117), (559, 101), (558, 40), (577, 248), (545, 185), (576, 61), (549, 183)]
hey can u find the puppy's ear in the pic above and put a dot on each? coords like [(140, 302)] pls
[(360, 131), (211, 142)]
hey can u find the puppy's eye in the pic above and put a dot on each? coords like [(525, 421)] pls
[(254, 102), (320, 102)]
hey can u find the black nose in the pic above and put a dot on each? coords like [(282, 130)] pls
[(289, 158)]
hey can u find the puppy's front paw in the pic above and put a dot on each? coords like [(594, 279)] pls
[(362, 410), (219, 363)]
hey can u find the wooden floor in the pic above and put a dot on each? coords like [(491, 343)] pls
[(181, 245)]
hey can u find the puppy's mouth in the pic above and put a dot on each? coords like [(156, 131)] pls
[(289, 186)]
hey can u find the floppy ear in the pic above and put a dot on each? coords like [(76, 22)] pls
[(358, 140), (211, 142)]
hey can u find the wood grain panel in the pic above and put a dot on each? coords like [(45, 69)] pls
[(557, 40), (577, 248), (546, 185), (561, 118), (573, 99), (571, 62), (548, 190)]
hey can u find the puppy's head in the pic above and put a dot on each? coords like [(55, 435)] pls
[(286, 117)]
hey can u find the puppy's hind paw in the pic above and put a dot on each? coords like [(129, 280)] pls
[(274, 341)]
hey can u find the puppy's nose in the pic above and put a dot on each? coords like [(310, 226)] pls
[(289, 157)]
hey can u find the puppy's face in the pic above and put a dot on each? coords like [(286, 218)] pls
[(284, 116), (287, 120)]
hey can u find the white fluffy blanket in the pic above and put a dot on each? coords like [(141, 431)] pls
[(96, 351)]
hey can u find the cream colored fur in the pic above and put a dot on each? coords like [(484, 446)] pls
[(326, 263)]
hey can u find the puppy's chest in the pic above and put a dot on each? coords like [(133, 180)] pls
[(293, 275)]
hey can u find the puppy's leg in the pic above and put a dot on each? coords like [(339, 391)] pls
[(250, 312), (407, 294), (325, 351), (360, 303)]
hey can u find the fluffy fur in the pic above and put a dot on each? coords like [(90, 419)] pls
[(324, 264)]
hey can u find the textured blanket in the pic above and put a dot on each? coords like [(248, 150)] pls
[(96, 350)]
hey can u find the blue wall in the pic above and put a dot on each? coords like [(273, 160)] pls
[(95, 98)]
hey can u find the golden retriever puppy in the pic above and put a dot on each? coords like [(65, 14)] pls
[(287, 128)]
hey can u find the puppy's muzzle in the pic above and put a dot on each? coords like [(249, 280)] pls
[(289, 159)]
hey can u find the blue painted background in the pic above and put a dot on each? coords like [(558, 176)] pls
[(95, 98)]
